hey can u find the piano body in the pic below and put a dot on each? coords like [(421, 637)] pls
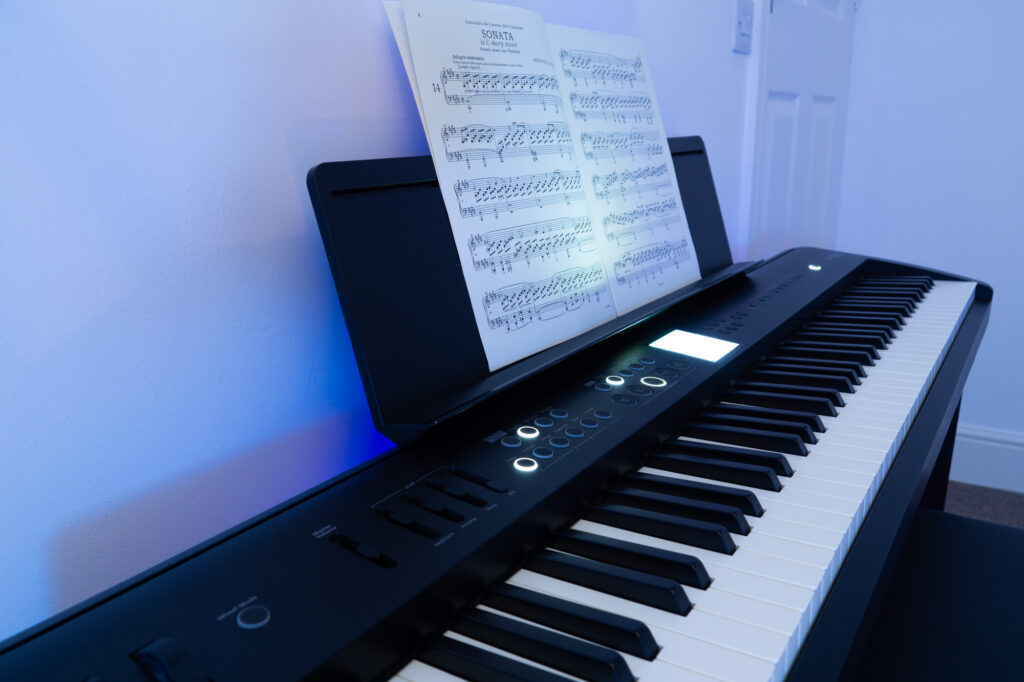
[(602, 510)]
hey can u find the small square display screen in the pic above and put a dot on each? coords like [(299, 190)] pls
[(695, 345)]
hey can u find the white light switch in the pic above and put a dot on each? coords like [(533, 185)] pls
[(743, 35)]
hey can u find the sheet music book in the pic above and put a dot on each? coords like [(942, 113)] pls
[(554, 166)]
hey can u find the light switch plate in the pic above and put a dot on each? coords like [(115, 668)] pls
[(743, 34)]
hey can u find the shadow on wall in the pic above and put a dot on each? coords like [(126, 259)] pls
[(94, 554)]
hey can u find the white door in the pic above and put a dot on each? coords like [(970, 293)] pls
[(802, 103)]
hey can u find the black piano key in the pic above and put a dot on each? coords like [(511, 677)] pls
[(833, 381), (849, 374), (910, 293), (610, 629), (884, 332), (561, 652), (744, 500), (745, 437), (889, 321), (660, 593), (809, 419), (823, 353), (728, 472), (822, 406), (905, 306), (799, 429), (872, 308), (923, 281), (854, 367), (837, 337), (836, 345), (863, 297), (804, 391), (478, 665), (731, 518), (711, 536), (776, 461), (682, 568)]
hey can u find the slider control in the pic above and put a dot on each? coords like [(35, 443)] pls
[(433, 507), (409, 523), (458, 492), (478, 480)]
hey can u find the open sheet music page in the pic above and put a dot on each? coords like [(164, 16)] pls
[(627, 169), (510, 175)]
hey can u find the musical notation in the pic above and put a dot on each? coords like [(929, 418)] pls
[(620, 107), (481, 142), (623, 228), (484, 196), (611, 145), (469, 88), (615, 184), (601, 66), (499, 249), (650, 261), (517, 305)]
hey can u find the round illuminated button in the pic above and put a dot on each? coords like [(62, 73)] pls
[(511, 442), (544, 422), (574, 432), (614, 380), (253, 617), (603, 414), (559, 441), (623, 399), (602, 386), (647, 361), (814, 267), (558, 413), (526, 464), (653, 382), (636, 366), (527, 432), (588, 423), (626, 372), (543, 453)]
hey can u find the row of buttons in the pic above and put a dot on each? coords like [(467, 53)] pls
[(528, 432)]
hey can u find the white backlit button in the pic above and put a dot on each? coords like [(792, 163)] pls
[(614, 380), (253, 617), (525, 464), (653, 382), (527, 432)]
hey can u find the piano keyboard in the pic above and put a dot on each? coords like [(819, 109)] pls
[(711, 561)]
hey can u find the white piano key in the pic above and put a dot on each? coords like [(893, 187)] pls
[(772, 525), (417, 671)]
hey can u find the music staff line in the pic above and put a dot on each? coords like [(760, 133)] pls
[(625, 228), (483, 196), (600, 66), (649, 261), (613, 145), (517, 305), (640, 180), (476, 142), (619, 107), (499, 249), (470, 87)]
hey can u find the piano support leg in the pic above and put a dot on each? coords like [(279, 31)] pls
[(934, 496)]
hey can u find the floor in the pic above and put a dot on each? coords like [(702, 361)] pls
[(985, 504)]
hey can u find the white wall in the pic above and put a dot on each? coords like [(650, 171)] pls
[(172, 356), (933, 175)]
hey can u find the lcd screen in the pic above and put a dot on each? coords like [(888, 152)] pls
[(695, 345)]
